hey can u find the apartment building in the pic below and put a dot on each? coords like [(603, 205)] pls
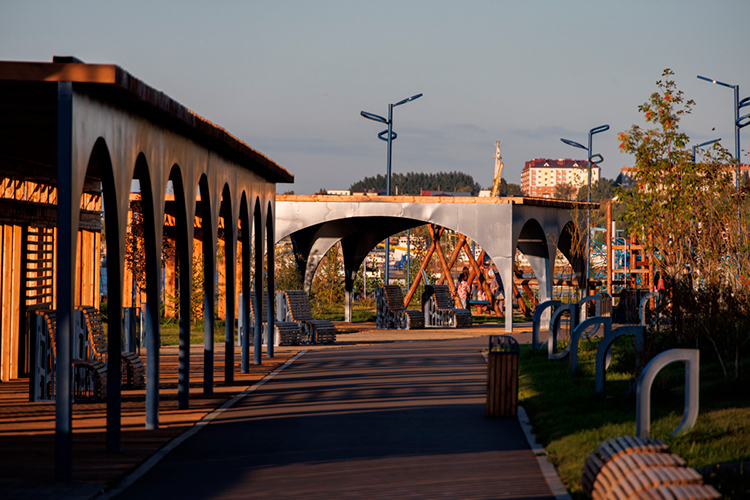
[(541, 176), (627, 175)]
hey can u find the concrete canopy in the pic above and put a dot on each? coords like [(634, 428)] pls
[(537, 227)]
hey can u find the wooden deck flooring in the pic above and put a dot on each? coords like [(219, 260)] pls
[(27, 429)]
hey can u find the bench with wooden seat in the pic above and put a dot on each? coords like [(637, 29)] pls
[(318, 331), (391, 312), (89, 376), (287, 332), (440, 308), (629, 467), (133, 370)]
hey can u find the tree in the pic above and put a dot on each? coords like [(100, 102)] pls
[(508, 189), (687, 213), (604, 189), (414, 183), (564, 191), (328, 283)]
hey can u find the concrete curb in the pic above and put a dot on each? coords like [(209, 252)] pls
[(548, 469), (162, 452)]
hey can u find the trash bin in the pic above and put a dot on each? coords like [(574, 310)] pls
[(502, 376)]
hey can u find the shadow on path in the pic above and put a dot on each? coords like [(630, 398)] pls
[(387, 421)]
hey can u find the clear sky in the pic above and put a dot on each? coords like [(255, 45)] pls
[(290, 77)]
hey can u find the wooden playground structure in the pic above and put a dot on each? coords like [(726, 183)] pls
[(624, 264)]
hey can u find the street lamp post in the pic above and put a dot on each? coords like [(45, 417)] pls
[(593, 159), (695, 148), (739, 123), (391, 135)]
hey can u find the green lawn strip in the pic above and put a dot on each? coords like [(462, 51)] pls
[(170, 333), (570, 420)]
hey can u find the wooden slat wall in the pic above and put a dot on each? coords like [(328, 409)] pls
[(10, 296), (221, 286), (87, 268), (87, 288), (170, 278)]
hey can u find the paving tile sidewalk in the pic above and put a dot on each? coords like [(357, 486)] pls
[(395, 420), (26, 429)]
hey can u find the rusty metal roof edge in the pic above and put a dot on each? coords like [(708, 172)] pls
[(102, 76)]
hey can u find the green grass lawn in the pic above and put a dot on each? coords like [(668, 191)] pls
[(571, 420), (170, 333)]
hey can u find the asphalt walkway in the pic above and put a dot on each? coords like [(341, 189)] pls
[(398, 420)]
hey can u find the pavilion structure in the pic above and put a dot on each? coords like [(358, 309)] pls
[(73, 139)]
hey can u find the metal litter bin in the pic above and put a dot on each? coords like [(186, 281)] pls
[(502, 376)]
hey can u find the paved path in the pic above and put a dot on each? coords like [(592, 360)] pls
[(401, 420)]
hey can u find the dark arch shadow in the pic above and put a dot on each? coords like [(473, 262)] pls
[(244, 238), (270, 278), (100, 166), (229, 235), (258, 278), (358, 236), (184, 267), (567, 245), (153, 286), (532, 242), (209, 283)]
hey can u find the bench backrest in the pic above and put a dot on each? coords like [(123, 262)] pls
[(394, 297), (299, 305), (443, 298), (264, 317), (97, 339)]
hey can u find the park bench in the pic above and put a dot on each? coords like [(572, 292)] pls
[(287, 332), (439, 308), (89, 376), (133, 370), (640, 468), (319, 331), (391, 312)]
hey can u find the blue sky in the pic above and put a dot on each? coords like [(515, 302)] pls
[(290, 78)]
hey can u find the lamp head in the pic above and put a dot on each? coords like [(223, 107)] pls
[(373, 116), (600, 128), (717, 82), (412, 98), (574, 144)]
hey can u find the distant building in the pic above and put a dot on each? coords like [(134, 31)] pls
[(627, 177), (444, 193), (541, 176), (372, 191), (339, 192)]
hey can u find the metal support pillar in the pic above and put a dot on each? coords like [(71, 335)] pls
[(209, 277), (67, 220), (152, 345), (185, 253)]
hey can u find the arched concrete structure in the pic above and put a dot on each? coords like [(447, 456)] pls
[(498, 225), (97, 125), (691, 357)]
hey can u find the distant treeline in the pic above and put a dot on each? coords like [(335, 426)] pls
[(414, 183)]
